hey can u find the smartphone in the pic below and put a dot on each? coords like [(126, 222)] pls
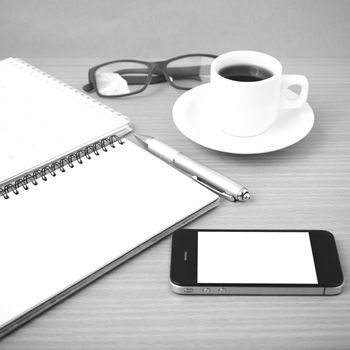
[(275, 262)]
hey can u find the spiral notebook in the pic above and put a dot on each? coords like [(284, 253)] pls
[(87, 209), (42, 119)]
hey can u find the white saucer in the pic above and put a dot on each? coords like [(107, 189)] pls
[(194, 115)]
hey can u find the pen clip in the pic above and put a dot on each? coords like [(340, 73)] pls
[(225, 195)]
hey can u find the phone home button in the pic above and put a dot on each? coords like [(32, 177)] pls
[(206, 290)]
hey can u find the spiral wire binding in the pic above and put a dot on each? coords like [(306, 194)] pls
[(60, 164)]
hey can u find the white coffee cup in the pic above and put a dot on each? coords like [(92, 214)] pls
[(248, 108)]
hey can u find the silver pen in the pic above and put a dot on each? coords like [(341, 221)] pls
[(209, 178)]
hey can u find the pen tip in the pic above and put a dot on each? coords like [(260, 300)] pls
[(141, 138)]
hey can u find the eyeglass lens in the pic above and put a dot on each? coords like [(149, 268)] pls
[(189, 72), (121, 78)]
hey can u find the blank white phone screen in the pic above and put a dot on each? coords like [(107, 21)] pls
[(255, 257)]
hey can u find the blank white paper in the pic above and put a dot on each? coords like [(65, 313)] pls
[(62, 230)]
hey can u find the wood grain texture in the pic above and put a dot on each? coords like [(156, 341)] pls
[(305, 186)]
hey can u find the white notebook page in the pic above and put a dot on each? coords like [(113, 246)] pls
[(63, 229), (41, 118)]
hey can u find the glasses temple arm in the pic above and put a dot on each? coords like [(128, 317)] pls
[(173, 72), (88, 87), (141, 79), (192, 72)]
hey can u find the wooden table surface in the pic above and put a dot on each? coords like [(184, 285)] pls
[(305, 186)]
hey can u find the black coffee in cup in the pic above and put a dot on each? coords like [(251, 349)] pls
[(244, 72)]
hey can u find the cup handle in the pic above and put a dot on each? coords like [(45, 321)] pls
[(293, 79)]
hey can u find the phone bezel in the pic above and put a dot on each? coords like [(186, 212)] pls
[(327, 264)]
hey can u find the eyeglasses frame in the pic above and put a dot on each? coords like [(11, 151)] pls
[(155, 67)]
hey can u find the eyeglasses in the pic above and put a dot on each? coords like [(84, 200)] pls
[(129, 77)]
